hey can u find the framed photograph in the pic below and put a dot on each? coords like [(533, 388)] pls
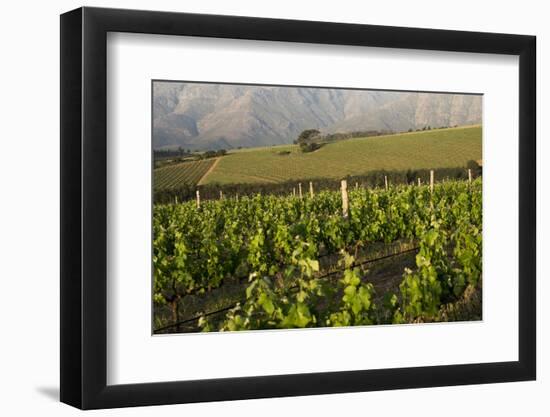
[(256, 208)]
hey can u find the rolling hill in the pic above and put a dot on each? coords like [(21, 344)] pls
[(441, 148), (430, 149)]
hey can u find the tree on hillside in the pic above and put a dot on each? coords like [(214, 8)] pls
[(475, 167), (307, 136), (306, 140)]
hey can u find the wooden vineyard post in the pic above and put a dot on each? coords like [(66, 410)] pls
[(419, 182), (198, 199), (356, 186), (221, 195), (311, 189), (300, 190), (431, 180), (293, 191), (237, 197), (176, 199), (386, 182), (345, 202), (469, 175)]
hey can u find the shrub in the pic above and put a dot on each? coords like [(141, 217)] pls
[(310, 147)]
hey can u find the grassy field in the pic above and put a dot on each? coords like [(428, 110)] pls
[(440, 148), (416, 150), (189, 173)]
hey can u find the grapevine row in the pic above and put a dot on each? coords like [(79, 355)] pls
[(281, 239)]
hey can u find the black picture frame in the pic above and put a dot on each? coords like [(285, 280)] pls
[(84, 207)]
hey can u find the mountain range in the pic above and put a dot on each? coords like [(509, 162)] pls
[(202, 116)]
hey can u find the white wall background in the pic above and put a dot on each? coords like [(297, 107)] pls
[(29, 220)]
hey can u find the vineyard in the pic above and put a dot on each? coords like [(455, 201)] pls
[(185, 173), (442, 148), (402, 255)]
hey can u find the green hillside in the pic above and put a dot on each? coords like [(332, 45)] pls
[(184, 173), (439, 148)]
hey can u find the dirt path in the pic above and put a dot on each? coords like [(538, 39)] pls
[(212, 167)]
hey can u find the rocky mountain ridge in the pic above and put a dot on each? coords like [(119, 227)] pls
[(202, 116)]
